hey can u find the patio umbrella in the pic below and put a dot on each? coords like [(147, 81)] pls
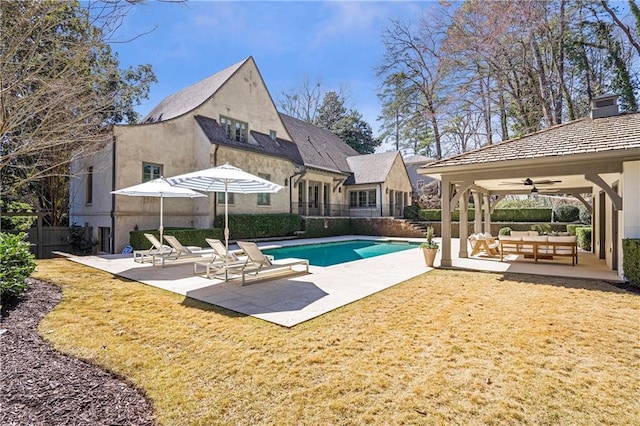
[(158, 188), (226, 178)]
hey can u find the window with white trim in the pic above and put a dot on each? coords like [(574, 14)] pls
[(362, 198), (234, 129), (221, 197), (264, 199), (151, 171)]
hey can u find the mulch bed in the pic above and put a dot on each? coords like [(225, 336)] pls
[(41, 386)]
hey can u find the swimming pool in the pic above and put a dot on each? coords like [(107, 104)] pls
[(327, 254)]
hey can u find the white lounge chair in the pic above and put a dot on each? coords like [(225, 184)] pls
[(258, 263), (157, 249), (221, 252), (217, 264), (180, 252)]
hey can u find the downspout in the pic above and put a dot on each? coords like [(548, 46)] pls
[(112, 243), (381, 201)]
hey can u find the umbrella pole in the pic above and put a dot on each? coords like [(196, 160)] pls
[(226, 230), (161, 229)]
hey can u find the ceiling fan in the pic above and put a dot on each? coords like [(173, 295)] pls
[(530, 182)]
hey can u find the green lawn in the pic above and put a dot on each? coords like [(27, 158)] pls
[(444, 348)]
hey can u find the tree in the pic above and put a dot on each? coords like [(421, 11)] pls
[(60, 93), (412, 60), (329, 112), (303, 102), (482, 70), (402, 118), (356, 132), (347, 125)]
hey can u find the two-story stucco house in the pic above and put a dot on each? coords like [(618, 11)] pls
[(230, 117)]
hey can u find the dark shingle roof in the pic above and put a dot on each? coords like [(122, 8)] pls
[(577, 137), (318, 147), (371, 168), (260, 143), (191, 97)]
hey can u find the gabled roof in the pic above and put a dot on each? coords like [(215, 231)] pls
[(584, 136), (191, 97), (371, 168), (318, 147), (260, 143)]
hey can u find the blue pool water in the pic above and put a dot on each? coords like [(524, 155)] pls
[(327, 254)]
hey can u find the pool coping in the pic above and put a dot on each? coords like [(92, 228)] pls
[(319, 241)]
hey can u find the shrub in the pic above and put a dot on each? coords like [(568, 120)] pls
[(18, 223), (584, 237), (412, 212), (16, 264), (521, 215), (498, 215), (504, 231), (585, 217), (80, 241), (631, 260), (571, 229), (567, 213), (186, 236), (260, 225), (542, 229)]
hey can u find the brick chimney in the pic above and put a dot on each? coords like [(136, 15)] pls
[(604, 106)]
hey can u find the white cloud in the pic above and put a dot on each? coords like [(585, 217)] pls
[(360, 20)]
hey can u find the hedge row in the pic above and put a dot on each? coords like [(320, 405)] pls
[(498, 215), (260, 225), (631, 260), (186, 236)]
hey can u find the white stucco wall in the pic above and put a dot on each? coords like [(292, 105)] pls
[(98, 213), (397, 181), (180, 146), (245, 97)]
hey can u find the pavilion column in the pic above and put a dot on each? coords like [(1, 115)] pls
[(305, 197), (487, 213), (464, 224), (477, 202), (446, 222)]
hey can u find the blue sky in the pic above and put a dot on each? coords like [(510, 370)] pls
[(336, 42)]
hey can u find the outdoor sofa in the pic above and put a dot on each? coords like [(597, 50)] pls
[(530, 244)]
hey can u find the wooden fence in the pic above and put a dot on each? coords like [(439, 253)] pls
[(44, 240)]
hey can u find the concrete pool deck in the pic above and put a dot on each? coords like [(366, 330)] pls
[(290, 300)]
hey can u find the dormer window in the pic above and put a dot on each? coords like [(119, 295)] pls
[(234, 129), (272, 135)]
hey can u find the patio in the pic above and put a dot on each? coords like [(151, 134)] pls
[(291, 300)]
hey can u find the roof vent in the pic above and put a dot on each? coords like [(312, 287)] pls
[(604, 106)]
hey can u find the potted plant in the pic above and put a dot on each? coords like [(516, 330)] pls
[(429, 248)]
